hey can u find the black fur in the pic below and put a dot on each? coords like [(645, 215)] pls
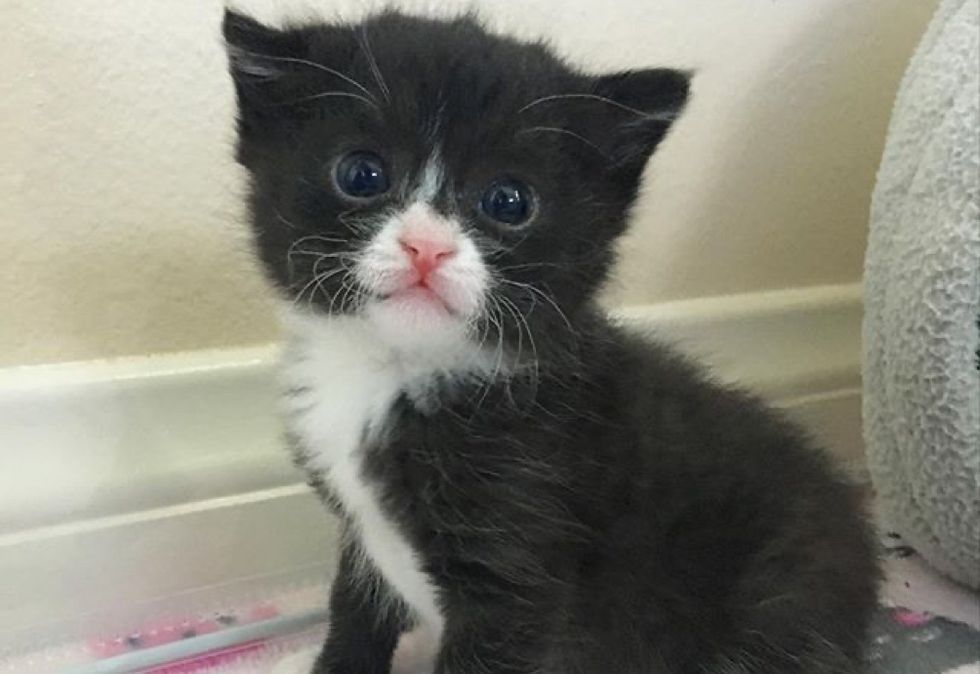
[(616, 512)]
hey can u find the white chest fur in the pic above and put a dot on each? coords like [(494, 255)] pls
[(347, 380)]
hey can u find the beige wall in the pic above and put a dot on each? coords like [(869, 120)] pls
[(118, 207)]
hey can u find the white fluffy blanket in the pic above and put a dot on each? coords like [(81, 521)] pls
[(922, 295)]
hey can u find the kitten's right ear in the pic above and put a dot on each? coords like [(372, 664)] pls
[(256, 52), (259, 60)]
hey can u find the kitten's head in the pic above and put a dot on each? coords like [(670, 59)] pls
[(435, 178)]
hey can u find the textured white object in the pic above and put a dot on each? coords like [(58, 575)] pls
[(922, 299)]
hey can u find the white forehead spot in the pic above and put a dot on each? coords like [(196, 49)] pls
[(431, 179), (422, 218)]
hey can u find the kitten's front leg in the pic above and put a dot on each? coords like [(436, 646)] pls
[(366, 620)]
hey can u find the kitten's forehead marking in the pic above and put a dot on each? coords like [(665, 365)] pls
[(431, 179)]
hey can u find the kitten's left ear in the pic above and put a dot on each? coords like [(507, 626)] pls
[(641, 107)]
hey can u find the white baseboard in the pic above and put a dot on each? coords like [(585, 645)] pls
[(144, 477)]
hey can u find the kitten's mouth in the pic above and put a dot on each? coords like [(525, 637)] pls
[(420, 295)]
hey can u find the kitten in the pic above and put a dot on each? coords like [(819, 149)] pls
[(545, 493)]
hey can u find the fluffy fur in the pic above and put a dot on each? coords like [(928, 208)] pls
[(542, 491)]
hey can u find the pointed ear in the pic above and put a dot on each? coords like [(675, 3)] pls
[(260, 60), (642, 106), (256, 51)]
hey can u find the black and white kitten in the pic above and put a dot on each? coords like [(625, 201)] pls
[(543, 492)]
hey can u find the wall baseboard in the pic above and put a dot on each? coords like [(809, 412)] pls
[(138, 478)]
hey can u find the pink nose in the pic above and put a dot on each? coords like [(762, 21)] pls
[(426, 255)]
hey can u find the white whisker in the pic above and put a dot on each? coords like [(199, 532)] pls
[(332, 94), (315, 237), (318, 253), (666, 117), (317, 280), (312, 64), (522, 320), (345, 288), (531, 265), (285, 221), (293, 249), (543, 295), (505, 304), (566, 132), (498, 322), (373, 63), (352, 224)]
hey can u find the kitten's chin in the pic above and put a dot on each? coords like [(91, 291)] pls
[(413, 322)]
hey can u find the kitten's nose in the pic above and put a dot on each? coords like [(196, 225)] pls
[(426, 254)]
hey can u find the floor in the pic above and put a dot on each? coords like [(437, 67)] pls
[(926, 625)]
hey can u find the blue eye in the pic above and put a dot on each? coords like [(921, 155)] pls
[(508, 201), (362, 175)]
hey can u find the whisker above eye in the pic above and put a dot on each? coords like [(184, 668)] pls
[(566, 132), (666, 117), (362, 39), (332, 94), (311, 64)]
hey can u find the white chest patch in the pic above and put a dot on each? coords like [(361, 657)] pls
[(344, 380)]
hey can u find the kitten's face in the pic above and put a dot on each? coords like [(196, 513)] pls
[(436, 179)]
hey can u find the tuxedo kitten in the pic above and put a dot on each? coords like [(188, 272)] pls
[(540, 490)]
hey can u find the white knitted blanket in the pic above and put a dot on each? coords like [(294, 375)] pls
[(922, 295)]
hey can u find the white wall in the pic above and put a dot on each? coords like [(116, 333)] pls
[(118, 210)]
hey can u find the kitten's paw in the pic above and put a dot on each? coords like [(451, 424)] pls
[(296, 663)]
